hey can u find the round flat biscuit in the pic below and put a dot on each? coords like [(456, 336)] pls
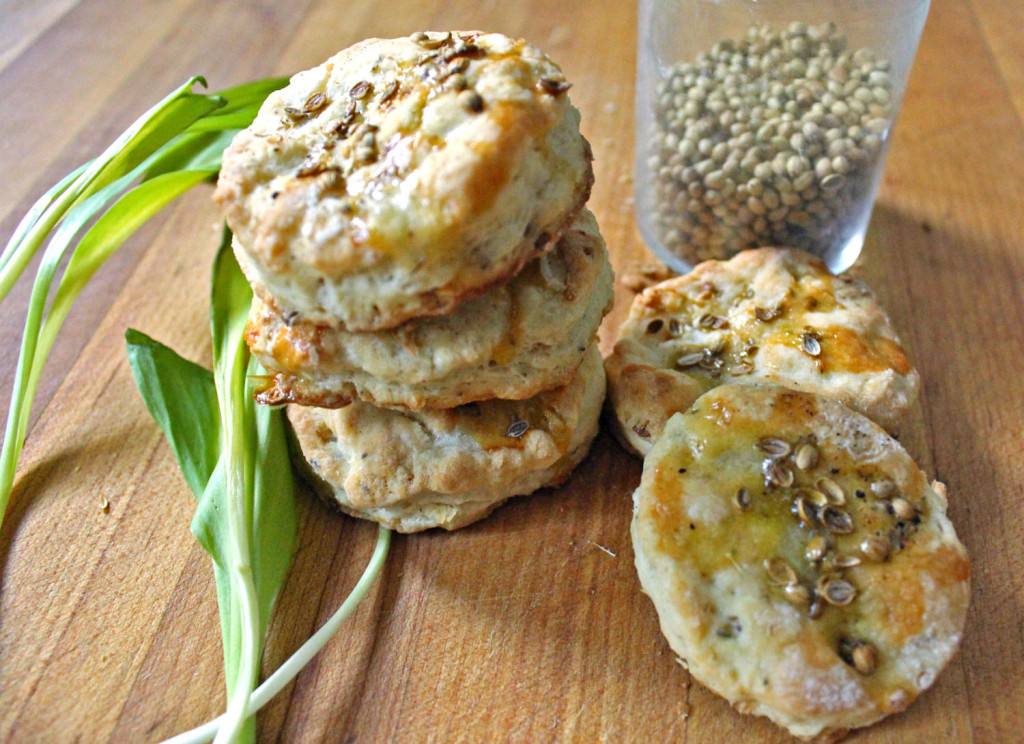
[(403, 176), (412, 471), (799, 561), (514, 341), (766, 315)]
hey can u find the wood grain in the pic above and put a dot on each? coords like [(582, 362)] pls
[(529, 626)]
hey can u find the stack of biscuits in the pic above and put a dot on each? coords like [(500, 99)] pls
[(428, 282)]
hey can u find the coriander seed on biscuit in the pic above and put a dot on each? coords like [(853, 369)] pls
[(404, 176), (766, 315), (799, 561), (414, 470), (513, 342)]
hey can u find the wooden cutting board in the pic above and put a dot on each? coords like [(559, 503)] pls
[(529, 626)]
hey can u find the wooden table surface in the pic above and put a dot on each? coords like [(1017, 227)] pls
[(529, 626)]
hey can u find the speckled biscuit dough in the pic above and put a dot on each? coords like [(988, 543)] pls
[(403, 176), (766, 315), (447, 468), (514, 341), (800, 563)]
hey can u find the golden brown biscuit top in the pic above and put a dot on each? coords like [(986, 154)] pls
[(338, 167), (801, 534), (765, 299), (767, 315), (382, 456)]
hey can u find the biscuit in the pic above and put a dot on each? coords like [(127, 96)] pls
[(800, 563), (766, 315), (403, 176), (514, 341), (447, 468)]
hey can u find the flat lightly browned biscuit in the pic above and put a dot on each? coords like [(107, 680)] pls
[(766, 315), (799, 561), (514, 341), (447, 468)]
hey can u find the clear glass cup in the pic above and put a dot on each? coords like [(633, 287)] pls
[(766, 122)]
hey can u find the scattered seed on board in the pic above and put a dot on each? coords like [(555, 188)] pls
[(810, 344), (743, 499)]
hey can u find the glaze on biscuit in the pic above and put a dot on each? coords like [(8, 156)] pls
[(404, 176), (513, 342), (799, 561), (416, 470), (766, 315)]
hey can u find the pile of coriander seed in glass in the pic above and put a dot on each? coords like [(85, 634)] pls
[(772, 139)]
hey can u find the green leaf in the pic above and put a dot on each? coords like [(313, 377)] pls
[(189, 409), (168, 162), (233, 456), (249, 96), (119, 222), (295, 663), (248, 525), (109, 232), (153, 130), (72, 201), (13, 261), (137, 143), (230, 298), (190, 151), (182, 398), (274, 524)]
